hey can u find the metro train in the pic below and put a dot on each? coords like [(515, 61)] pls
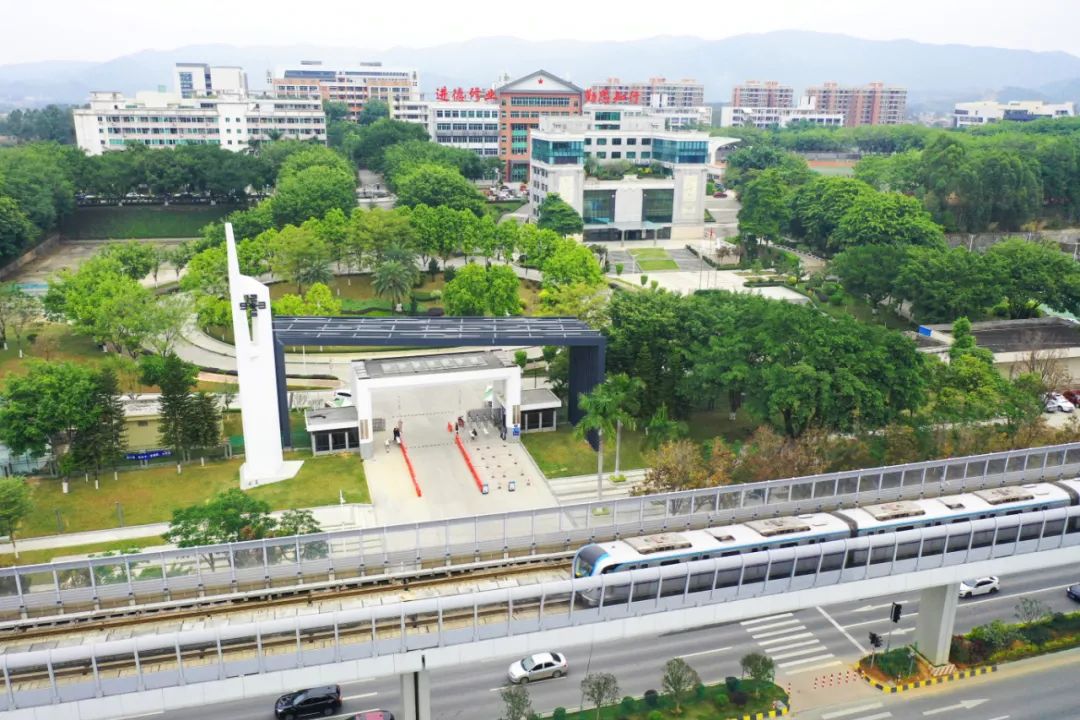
[(670, 548)]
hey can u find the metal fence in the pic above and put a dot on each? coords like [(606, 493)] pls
[(166, 575), (65, 674)]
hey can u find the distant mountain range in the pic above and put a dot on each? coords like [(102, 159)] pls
[(934, 74)]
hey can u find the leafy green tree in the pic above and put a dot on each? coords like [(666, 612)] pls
[(818, 206), (1029, 274), (367, 145), (598, 416), (46, 407), (301, 257), (373, 111), (586, 302), (557, 214), (435, 185), (765, 210), (393, 280), (662, 428), (297, 522), (374, 233), (760, 668), (869, 271), (229, 516), (175, 378), (466, 294), (16, 230), (37, 178), (885, 218), (600, 689), (570, 262), (402, 157), (625, 393), (678, 680), (516, 703), (942, 285), (311, 193), (15, 505), (52, 123), (321, 302), (100, 442)]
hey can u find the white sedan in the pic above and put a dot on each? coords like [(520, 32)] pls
[(538, 667), (981, 586)]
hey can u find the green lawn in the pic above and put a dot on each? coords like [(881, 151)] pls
[(150, 495), (649, 259), (53, 341), (708, 702), (497, 209), (31, 557), (152, 221), (560, 454), (861, 311)]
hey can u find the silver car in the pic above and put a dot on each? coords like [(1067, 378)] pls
[(980, 586), (538, 667)]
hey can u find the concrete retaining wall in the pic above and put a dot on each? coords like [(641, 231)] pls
[(45, 247)]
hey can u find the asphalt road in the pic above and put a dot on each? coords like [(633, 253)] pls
[(806, 643)]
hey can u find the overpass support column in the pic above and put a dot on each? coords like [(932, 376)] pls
[(937, 615), (416, 695)]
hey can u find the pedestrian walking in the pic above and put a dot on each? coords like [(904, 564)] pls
[(387, 444)]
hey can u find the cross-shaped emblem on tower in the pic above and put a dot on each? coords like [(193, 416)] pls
[(252, 304)]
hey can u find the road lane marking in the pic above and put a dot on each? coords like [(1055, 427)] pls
[(844, 632), (765, 619), (1001, 717), (868, 608), (529, 684), (792, 646), (361, 695), (876, 716), (800, 636), (797, 653), (803, 661), (850, 711), (704, 652), (771, 633), (770, 626), (149, 714), (812, 668)]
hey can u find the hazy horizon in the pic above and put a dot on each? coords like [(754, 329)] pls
[(67, 30)]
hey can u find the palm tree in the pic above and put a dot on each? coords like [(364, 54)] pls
[(599, 416), (625, 393), (394, 279)]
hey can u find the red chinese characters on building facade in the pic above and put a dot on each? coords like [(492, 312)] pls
[(604, 96), (474, 94)]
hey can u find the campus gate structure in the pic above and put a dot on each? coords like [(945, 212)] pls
[(586, 345)]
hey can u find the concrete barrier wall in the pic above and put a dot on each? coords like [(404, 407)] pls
[(43, 248)]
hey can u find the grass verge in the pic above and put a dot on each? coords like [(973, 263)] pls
[(706, 702)]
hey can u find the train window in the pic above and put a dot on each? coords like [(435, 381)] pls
[(727, 578), (788, 544), (832, 561), (983, 538), (1014, 512), (1007, 535), (729, 553), (806, 566), (856, 558), (781, 569), (881, 555), (958, 542), (610, 569), (908, 550), (753, 573), (1074, 524), (1054, 527), (1030, 531), (933, 546), (905, 527)]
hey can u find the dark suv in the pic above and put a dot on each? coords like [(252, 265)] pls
[(305, 703)]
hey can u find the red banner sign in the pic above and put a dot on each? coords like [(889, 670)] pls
[(604, 96), (474, 94)]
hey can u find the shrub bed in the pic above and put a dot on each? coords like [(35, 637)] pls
[(1004, 642), (705, 702)]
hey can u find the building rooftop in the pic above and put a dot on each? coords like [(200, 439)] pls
[(430, 364), (539, 399), (330, 418)]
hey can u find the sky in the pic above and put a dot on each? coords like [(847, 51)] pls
[(38, 30)]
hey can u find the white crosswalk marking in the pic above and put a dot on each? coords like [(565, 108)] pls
[(772, 633), (765, 619), (850, 711), (803, 661), (770, 626), (799, 636), (792, 646), (814, 668), (797, 653)]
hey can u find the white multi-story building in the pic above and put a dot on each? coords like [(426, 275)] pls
[(399, 88), (220, 113), (661, 194), (200, 79), (768, 117), (655, 92), (465, 125), (967, 114), (675, 117)]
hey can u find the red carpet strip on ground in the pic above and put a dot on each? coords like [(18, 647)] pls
[(468, 461), (412, 472)]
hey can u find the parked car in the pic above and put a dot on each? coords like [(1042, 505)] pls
[(324, 700), (374, 715), (1056, 402), (980, 586), (538, 667), (1073, 396), (1073, 592), (719, 194)]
